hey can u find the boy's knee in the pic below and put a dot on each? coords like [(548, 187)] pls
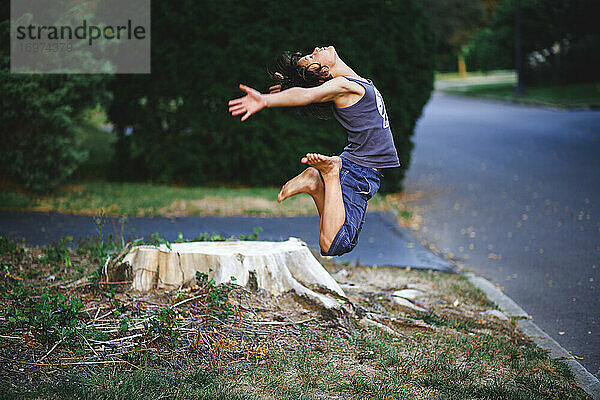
[(325, 243)]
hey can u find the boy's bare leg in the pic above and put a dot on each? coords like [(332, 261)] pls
[(333, 214), (309, 182)]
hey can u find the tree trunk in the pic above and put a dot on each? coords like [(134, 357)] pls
[(277, 267)]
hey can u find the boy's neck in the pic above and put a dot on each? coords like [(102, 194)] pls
[(342, 69)]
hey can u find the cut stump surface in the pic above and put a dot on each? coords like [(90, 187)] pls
[(277, 267)]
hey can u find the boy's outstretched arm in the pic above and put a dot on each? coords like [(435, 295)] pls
[(254, 101)]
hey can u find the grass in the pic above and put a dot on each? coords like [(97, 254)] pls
[(447, 364), (502, 86), (258, 352), (138, 385), (145, 199), (454, 75), (576, 95)]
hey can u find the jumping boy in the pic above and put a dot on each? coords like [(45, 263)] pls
[(339, 185)]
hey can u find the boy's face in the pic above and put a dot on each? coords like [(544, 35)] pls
[(321, 56)]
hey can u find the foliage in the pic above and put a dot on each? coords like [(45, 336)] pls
[(559, 41), (38, 116), (100, 245), (161, 326), (485, 53), (173, 125), (11, 285), (157, 240), (206, 237), (217, 296), (453, 22), (8, 246), (48, 317), (58, 252)]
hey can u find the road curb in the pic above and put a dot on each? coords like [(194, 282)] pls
[(588, 382)]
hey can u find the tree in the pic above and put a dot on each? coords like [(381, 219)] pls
[(38, 116), (559, 40), (454, 22)]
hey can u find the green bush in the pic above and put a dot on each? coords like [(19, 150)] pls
[(38, 118), (173, 125)]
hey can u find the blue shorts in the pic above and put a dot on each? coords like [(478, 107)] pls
[(359, 184)]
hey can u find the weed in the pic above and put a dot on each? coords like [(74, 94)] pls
[(252, 236), (217, 297), (161, 326), (10, 284), (439, 320), (206, 237), (57, 253), (8, 246), (405, 214), (100, 248), (47, 317), (157, 240)]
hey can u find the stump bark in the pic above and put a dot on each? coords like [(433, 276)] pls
[(277, 267)]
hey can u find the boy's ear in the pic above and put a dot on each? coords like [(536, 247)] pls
[(324, 71)]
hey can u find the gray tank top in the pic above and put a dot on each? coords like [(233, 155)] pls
[(370, 140)]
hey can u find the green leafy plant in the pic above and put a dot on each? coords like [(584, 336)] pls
[(8, 246), (47, 317), (124, 323), (10, 284), (162, 326), (217, 296), (252, 236), (157, 240), (207, 237), (57, 253)]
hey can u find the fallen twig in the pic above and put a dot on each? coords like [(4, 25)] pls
[(51, 350), (283, 323), (188, 300)]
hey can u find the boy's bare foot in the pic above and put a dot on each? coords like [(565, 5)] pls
[(327, 166), (307, 182)]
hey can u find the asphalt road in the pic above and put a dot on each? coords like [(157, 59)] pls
[(382, 241), (513, 193)]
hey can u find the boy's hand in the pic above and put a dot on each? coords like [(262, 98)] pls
[(247, 105)]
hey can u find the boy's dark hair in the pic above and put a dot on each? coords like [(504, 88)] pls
[(289, 74)]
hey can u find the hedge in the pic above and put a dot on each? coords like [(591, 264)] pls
[(173, 125)]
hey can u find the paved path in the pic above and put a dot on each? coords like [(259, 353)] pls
[(514, 192), (382, 241)]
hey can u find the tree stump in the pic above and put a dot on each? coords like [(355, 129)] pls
[(276, 267)]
